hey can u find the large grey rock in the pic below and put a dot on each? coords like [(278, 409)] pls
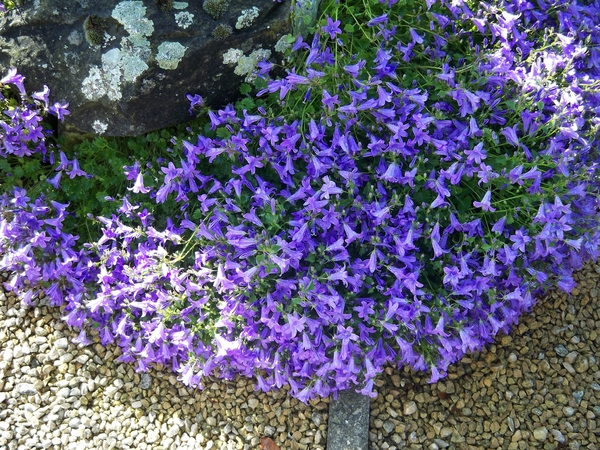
[(348, 425), (142, 60)]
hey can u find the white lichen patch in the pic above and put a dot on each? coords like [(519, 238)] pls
[(245, 65), (169, 54), (103, 81), (232, 56), (108, 38), (283, 43), (99, 127), (92, 86), (124, 64), (112, 73), (180, 5), (184, 19), (135, 51), (246, 18), (75, 37), (131, 15)]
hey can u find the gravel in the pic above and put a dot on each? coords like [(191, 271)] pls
[(57, 395), (538, 387)]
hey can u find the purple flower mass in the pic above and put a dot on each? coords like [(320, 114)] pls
[(368, 212)]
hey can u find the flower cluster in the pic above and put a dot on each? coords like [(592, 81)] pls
[(42, 258), (422, 172), (22, 134)]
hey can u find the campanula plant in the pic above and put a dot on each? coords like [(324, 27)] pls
[(423, 171)]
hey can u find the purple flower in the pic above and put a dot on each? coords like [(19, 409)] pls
[(332, 28), (295, 325), (14, 78), (510, 133), (452, 275), (566, 283), (520, 240), (76, 171), (42, 95), (54, 181), (353, 69), (477, 154), (379, 20), (485, 202), (435, 241), (330, 100), (225, 347), (416, 39), (138, 186), (329, 188), (468, 101), (351, 235), (196, 101), (59, 110), (499, 225)]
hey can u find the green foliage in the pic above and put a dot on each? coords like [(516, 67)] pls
[(105, 158)]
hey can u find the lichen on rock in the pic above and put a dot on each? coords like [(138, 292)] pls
[(245, 65), (133, 58), (99, 127), (169, 54), (131, 14), (105, 80), (232, 56), (184, 19), (125, 63), (247, 18), (284, 43)]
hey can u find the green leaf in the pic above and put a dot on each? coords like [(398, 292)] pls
[(5, 166), (349, 28), (18, 172), (223, 133), (197, 214), (245, 89), (246, 103)]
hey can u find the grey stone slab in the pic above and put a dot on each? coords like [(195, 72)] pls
[(348, 426)]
